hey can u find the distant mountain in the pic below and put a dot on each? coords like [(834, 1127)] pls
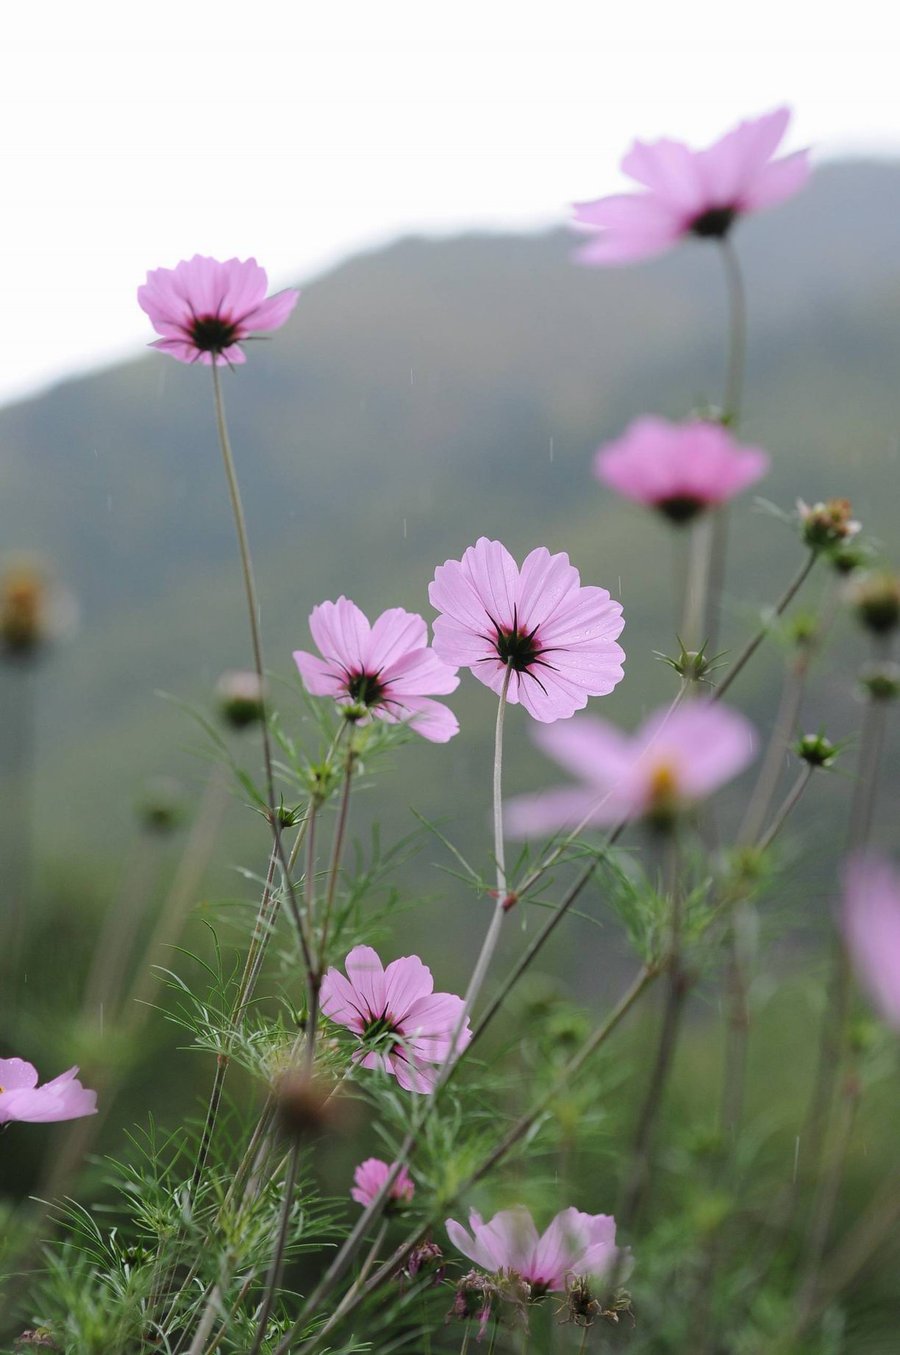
[(422, 395)]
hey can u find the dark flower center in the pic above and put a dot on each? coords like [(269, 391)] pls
[(210, 333), (680, 507), (518, 648), (365, 688), (380, 1034), (714, 223)]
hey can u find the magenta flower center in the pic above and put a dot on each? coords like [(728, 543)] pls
[(212, 334), (519, 649), (365, 688), (680, 508), (714, 223)]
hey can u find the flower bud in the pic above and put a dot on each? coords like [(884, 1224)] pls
[(816, 750), (826, 525), (876, 598), (160, 808), (881, 682), (241, 698)]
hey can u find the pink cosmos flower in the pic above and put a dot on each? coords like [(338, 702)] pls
[(405, 1028), (557, 638), (871, 923), (679, 469), (204, 308), (387, 668), (676, 758), (371, 1175), (685, 192), (22, 1099), (574, 1244)]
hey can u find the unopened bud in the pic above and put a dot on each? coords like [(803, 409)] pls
[(876, 599), (241, 698), (161, 807), (881, 681), (693, 665), (849, 556), (816, 750)]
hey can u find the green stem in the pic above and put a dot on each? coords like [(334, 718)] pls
[(737, 333), (273, 1279), (256, 644), (676, 994), (753, 644), (696, 585)]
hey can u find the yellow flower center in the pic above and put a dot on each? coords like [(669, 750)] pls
[(663, 782)]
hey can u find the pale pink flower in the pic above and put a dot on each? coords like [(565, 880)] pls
[(574, 1244), (676, 758), (685, 192), (385, 669), (204, 309), (405, 1028), (22, 1099), (371, 1175), (679, 469), (871, 923), (557, 638)]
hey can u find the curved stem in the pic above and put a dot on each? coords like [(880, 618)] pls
[(753, 644), (773, 761)]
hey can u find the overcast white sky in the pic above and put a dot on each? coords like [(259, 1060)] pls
[(136, 134)]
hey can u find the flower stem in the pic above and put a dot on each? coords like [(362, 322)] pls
[(273, 1279), (753, 644), (696, 584), (337, 848), (676, 994), (501, 905), (737, 332), (829, 1140), (256, 644)]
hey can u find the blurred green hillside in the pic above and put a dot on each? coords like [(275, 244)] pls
[(422, 395)]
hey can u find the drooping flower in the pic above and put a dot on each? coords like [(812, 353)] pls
[(676, 758), (404, 1027), (557, 639), (22, 1099), (698, 193), (871, 923), (204, 308), (385, 670), (678, 469), (574, 1244), (371, 1175)]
